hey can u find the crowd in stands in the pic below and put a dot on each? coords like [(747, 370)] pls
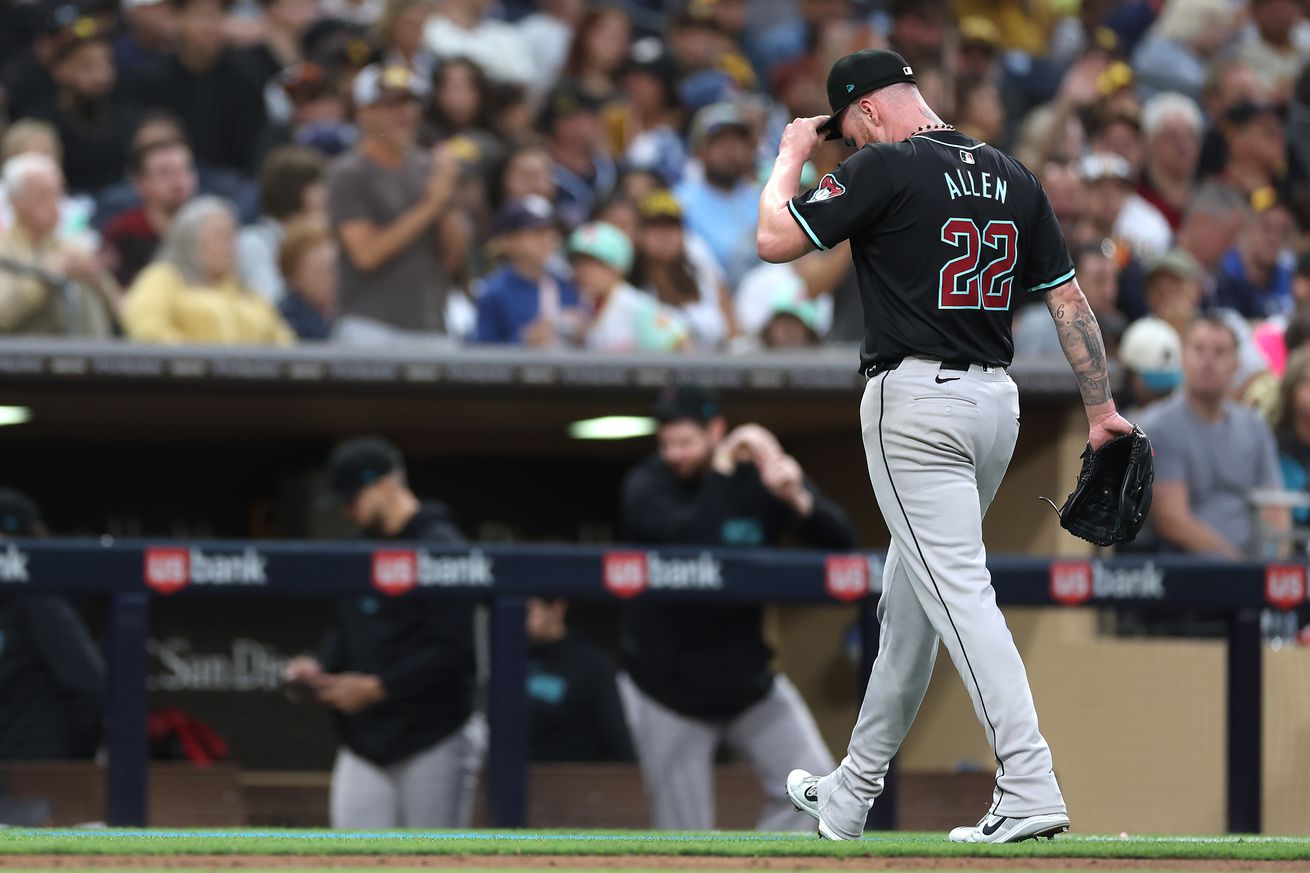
[(558, 174)]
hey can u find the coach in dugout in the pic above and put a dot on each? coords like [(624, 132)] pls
[(397, 673), (697, 677)]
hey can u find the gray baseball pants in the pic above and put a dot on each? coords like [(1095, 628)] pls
[(677, 755), (432, 788), (938, 443)]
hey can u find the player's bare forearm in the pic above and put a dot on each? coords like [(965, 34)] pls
[(1080, 338), (778, 237)]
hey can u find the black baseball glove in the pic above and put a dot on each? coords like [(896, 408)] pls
[(1113, 495)]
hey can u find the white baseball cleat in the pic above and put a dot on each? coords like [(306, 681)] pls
[(1001, 829), (803, 789)]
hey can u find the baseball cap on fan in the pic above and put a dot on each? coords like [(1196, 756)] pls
[(858, 74), (358, 463), (375, 83)]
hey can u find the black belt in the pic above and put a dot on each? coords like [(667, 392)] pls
[(893, 363)]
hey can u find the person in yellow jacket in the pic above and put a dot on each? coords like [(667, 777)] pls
[(190, 293)]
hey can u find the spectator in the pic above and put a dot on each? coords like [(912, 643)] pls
[(191, 293), (621, 318), (1256, 147), (397, 673), (28, 85), (526, 301), (93, 119), (283, 28), (307, 260), (679, 271), (1273, 54), (49, 285), (1291, 425), (976, 53), (600, 48), (697, 678), (399, 32), (307, 109), (165, 179), (1186, 36), (147, 39), (620, 211), (548, 33), (1174, 289), (770, 288), (1118, 132), (980, 113), (1255, 277), (220, 102), (291, 187), (793, 323), (1152, 357), (52, 676), (1214, 219), (722, 207), (525, 172), (1064, 188), (461, 29), (390, 207), (1229, 83), (31, 136), (573, 695), (584, 172), (644, 128), (1172, 126), (1114, 211), (1210, 453), (459, 101)]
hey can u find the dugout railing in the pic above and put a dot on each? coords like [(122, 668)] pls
[(132, 574)]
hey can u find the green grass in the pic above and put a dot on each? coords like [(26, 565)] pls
[(618, 843)]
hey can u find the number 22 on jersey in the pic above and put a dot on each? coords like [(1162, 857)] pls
[(966, 283)]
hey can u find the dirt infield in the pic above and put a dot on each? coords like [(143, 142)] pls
[(624, 862)]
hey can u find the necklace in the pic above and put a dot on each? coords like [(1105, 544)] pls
[(928, 128)]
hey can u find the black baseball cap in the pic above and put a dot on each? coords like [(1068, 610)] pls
[(858, 74), (680, 402), (358, 463), (19, 516)]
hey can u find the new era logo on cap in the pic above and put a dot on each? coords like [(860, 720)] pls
[(907, 71), (850, 88)]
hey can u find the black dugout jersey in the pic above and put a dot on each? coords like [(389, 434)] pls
[(945, 232)]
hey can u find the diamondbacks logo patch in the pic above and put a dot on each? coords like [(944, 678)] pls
[(829, 188)]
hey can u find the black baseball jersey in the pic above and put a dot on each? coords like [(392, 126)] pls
[(945, 232)]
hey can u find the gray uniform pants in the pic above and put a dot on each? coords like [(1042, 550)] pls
[(433, 788), (677, 755), (938, 443)]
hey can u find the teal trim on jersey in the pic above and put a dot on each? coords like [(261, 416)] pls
[(1060, 281), (791, 207), (949, 145)]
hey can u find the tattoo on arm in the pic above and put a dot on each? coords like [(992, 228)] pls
[(1080, 338)]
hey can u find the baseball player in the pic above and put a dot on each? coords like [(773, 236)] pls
[(946, 232)]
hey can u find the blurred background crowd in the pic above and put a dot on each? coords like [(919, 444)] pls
[(557, 174)]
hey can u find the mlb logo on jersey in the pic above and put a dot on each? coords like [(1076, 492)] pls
[(828, 188), (967, 157)]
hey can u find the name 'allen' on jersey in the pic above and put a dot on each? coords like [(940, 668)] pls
[(967, 184), (944, 231)]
